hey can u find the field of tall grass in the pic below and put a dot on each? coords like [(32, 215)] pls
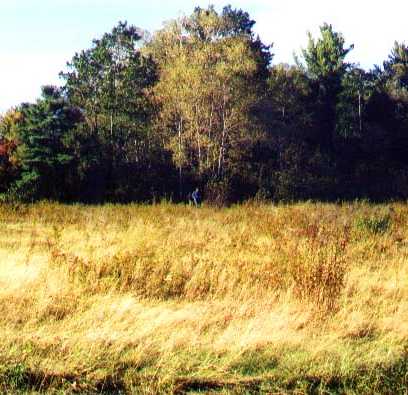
[(256, 298)]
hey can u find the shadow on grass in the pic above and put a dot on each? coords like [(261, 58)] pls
[(20, 379), (378, 379)]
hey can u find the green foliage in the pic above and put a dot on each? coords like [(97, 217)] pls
[(144, 118), (9, 166), (326, 66), (43, 151), (108, 82), (396, 66), (26, 188), (357, 88), (254, 362), (288, 91), (378, 224), (210, 79), (205, 24), (14, 377), (324, 57)]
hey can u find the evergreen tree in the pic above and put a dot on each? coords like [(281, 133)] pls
[(326, 66), (44, 151), (108, 82)]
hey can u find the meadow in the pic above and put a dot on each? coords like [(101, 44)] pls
[(254, 298)]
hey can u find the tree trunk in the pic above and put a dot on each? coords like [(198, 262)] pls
[(180, 127), (199, 152), (359, 113), (222, 147)]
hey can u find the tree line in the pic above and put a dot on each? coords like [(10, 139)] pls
[(141, 117)]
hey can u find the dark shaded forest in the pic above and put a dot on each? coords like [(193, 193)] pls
[(200, 102)]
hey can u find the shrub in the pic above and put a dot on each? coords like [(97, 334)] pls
[(318, 269), (15, 377), (218, 192), (375, 224)]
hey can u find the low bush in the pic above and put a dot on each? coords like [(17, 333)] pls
[(378, 224)]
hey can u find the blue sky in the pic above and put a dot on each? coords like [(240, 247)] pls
[(37, 37)]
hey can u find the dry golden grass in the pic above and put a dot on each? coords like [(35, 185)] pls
[(172, 299)]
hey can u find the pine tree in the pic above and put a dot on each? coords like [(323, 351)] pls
[(44, 151)]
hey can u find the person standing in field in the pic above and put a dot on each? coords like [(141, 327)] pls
[(195, 197)]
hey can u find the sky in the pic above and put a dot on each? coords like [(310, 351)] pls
[(38, 37)]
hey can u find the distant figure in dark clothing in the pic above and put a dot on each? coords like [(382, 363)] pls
[(195, 197)]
